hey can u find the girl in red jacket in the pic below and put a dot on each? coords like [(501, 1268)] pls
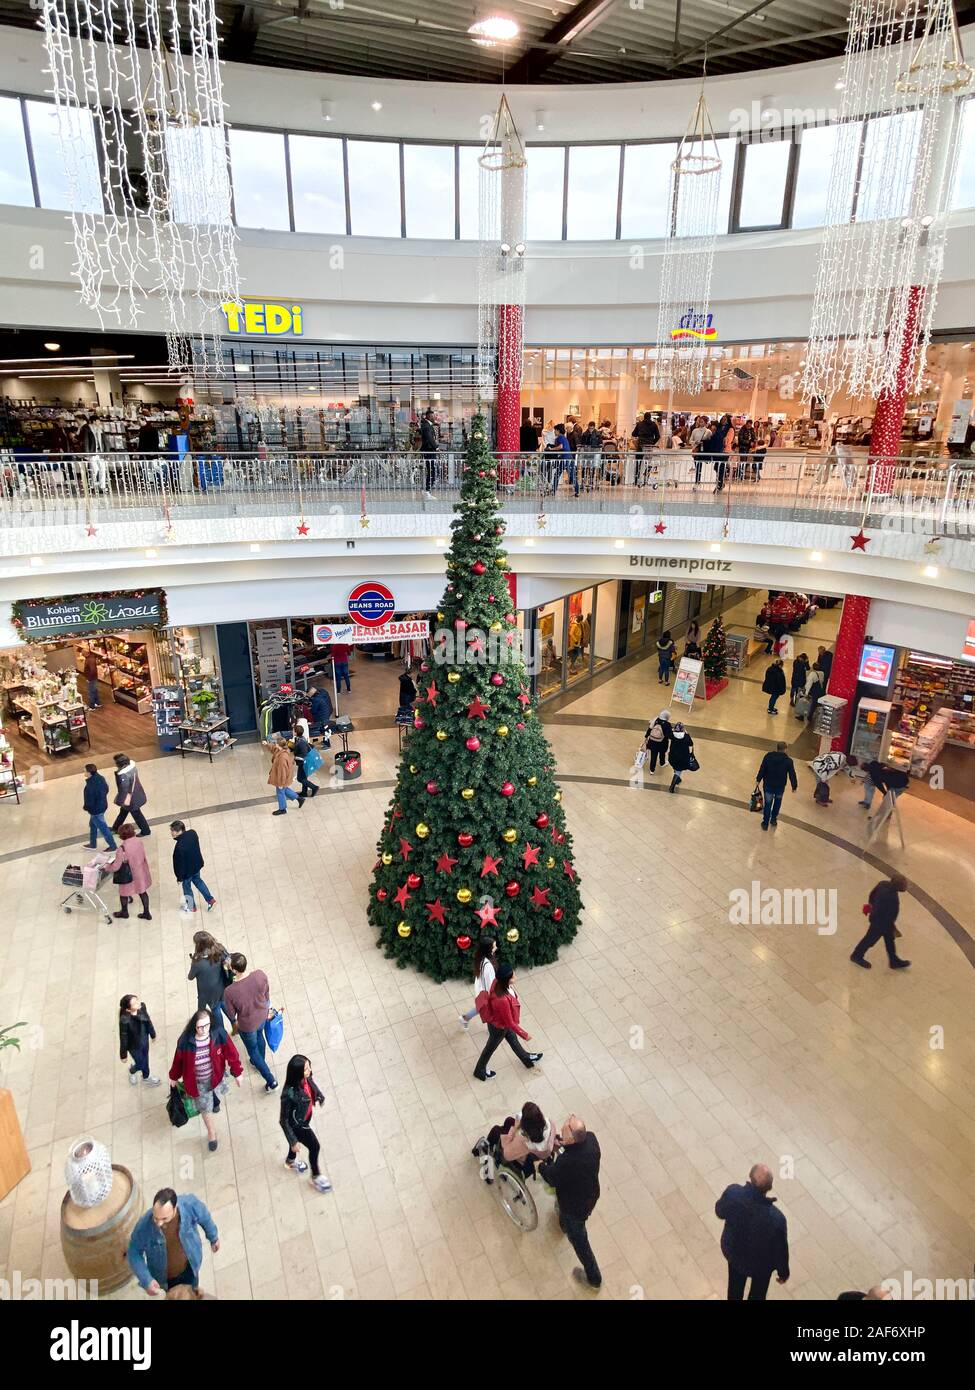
[(503, 1022), (203, 1054)]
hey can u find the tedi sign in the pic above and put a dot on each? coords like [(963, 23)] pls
[(263, 320)]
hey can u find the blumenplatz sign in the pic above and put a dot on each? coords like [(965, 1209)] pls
[(681, 563)]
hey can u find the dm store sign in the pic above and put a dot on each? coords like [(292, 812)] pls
[(46, 619)]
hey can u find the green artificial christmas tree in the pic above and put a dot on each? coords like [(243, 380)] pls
[(474, 838), (714, 651)]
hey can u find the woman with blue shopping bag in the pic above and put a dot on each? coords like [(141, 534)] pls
[(307, 760)]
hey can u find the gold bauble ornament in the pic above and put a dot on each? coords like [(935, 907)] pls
[(413, 768), (467, 793), (502, 731), (512, 935), (501, 561), (464, 895), (495, 627), (404, 928), (510, 835), (533, 781), (439, 617), (387, 858), (550, 863), (441, 735), (422, 830), (558, 796), (453, 677)]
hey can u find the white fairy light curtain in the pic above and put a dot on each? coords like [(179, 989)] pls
[(684, 322), (882, 254), (166, 231), (501, 260)]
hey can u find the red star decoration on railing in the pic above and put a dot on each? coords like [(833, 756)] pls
[(91, 530), (402, 896), (490, 866), (660, 528), (445, 865), (530, 856), (488, 915), (860, 541), (436, 911), (569, 871), (302, 529), (405, 849), (432, 694), (477, 710), (539, 897)]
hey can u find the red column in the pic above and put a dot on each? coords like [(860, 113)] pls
[(846, 660), (509, 387), (885, 439)]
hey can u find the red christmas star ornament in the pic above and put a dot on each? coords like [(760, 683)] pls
[(487, 915), (660, 528), (524, 698), (569, 871), (475, 644), (490, 866), (860, 541), (302, 529), (436, 911), (432, 694), (530, 856), (91, 530), (557, 835), (477, 710), (402, 895), (445, 865), (539, 897), (405, 849)]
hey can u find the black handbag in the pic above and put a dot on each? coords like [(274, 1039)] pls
[(123, 874), (175, 1108), (692, 764)]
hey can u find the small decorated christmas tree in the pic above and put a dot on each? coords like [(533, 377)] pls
[(474, 838), (714, 653)]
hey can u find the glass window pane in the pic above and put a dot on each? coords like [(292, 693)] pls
[(374, 188), (428, 177), (887, 171), (195, 199), (763, 185), (820, 148), (964, 194), (15, 185), (646, 189), (546, 177), (594, 176), (469, 183), (260, 180), (317, 183), (77, 130)]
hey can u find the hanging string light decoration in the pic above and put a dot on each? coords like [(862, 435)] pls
[(889, 191), (165, 230), (684, 316), (501, 270)]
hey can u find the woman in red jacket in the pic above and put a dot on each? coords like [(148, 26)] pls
[(203, 1054), (503, 1022)]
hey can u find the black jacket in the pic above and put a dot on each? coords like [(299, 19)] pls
[(774, 682), (187, 856), (96, 795), (294, 1108), (826, 664), (211, 981), (528, 438), (407, 689), (679, 752), (428, 436), (647, 431), (668, 729), (321, 707), (777, 769), (575, 1177), (800, 674), (755, 1237), (885, 903), (134, 1030), (884, 778)]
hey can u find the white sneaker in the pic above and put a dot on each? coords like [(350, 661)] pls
[(321, 1183), (151, 1080), (133, 1078), (464, 1022), (297, 1167)]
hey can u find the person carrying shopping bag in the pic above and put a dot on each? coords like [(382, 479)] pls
[(485, 970), (203, 1054), (502, 1016), (657, 739), (130, 796), (298, 1100), (681, 755), (307, 761), (282, 775), (130, 874)]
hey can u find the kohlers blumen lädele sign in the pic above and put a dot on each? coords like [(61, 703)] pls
[(45, 619)]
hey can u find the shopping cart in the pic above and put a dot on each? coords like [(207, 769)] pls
[(85, 883)]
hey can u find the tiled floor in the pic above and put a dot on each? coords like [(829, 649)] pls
[(693, 1047)]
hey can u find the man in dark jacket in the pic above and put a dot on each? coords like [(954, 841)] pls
[(321, 709), (575, 1176), (96, 804), (187, 866), (774, 684), (775, 770), (755, 1240), (647, 436), (824, 661), (884, 903), (428, 447), (884, 779), (528, 438)]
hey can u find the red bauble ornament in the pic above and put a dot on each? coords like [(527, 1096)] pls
[(480, 472), (465, 839), (432, 788), (491, 598), (513, 888), (508, 789), (477, 538), (413, 881), (478, 567), (473, 744), (418, 723), (557, 914), (509, 617), (424, 666), (519, 725), (497, 678), (381, 894), (464, 942), (541, 820)]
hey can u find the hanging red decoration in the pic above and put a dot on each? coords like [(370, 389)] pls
[(530, 856), (539, 897), (508, 789), (490, 866), (478, 567), (436, 912), (432, 788), (465, 839), (541, 820), (512, 888), (413, 880), (401, 897), (473, 744), (476, 709), (381, 894), (557, 914), (497, 678), (445, 865), (464, 943)]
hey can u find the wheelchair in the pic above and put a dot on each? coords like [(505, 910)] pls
[(509, 1183)]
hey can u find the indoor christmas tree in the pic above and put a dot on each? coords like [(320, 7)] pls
[(713, 652), (475, 839)]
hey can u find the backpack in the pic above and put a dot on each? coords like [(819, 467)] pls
[(821, 793), (656, 734)]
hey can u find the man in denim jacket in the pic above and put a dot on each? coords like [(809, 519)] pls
[(165, 1249)]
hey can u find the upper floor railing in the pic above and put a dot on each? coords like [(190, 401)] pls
[(785, 485)]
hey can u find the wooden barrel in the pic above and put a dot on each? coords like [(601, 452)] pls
[(95, 1239)]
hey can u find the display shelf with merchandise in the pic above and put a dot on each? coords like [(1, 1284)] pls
[(961, 734), (10, 782), (929, 743), (208, 736), (125, 666)]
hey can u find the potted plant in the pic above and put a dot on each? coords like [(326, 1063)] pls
[(14, 1162), (203, 702)]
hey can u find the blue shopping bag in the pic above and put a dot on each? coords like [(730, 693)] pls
[(313, 761), (274, 1028)]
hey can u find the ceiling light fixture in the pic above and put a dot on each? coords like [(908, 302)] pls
[(496, 28), (151, 554), (254, 547), (328, 109), (930, 571), (816, 556), (53, 347), (376, 105), (540, 118), (715, 547)]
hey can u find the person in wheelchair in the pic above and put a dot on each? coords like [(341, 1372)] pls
[(524, 1139)]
